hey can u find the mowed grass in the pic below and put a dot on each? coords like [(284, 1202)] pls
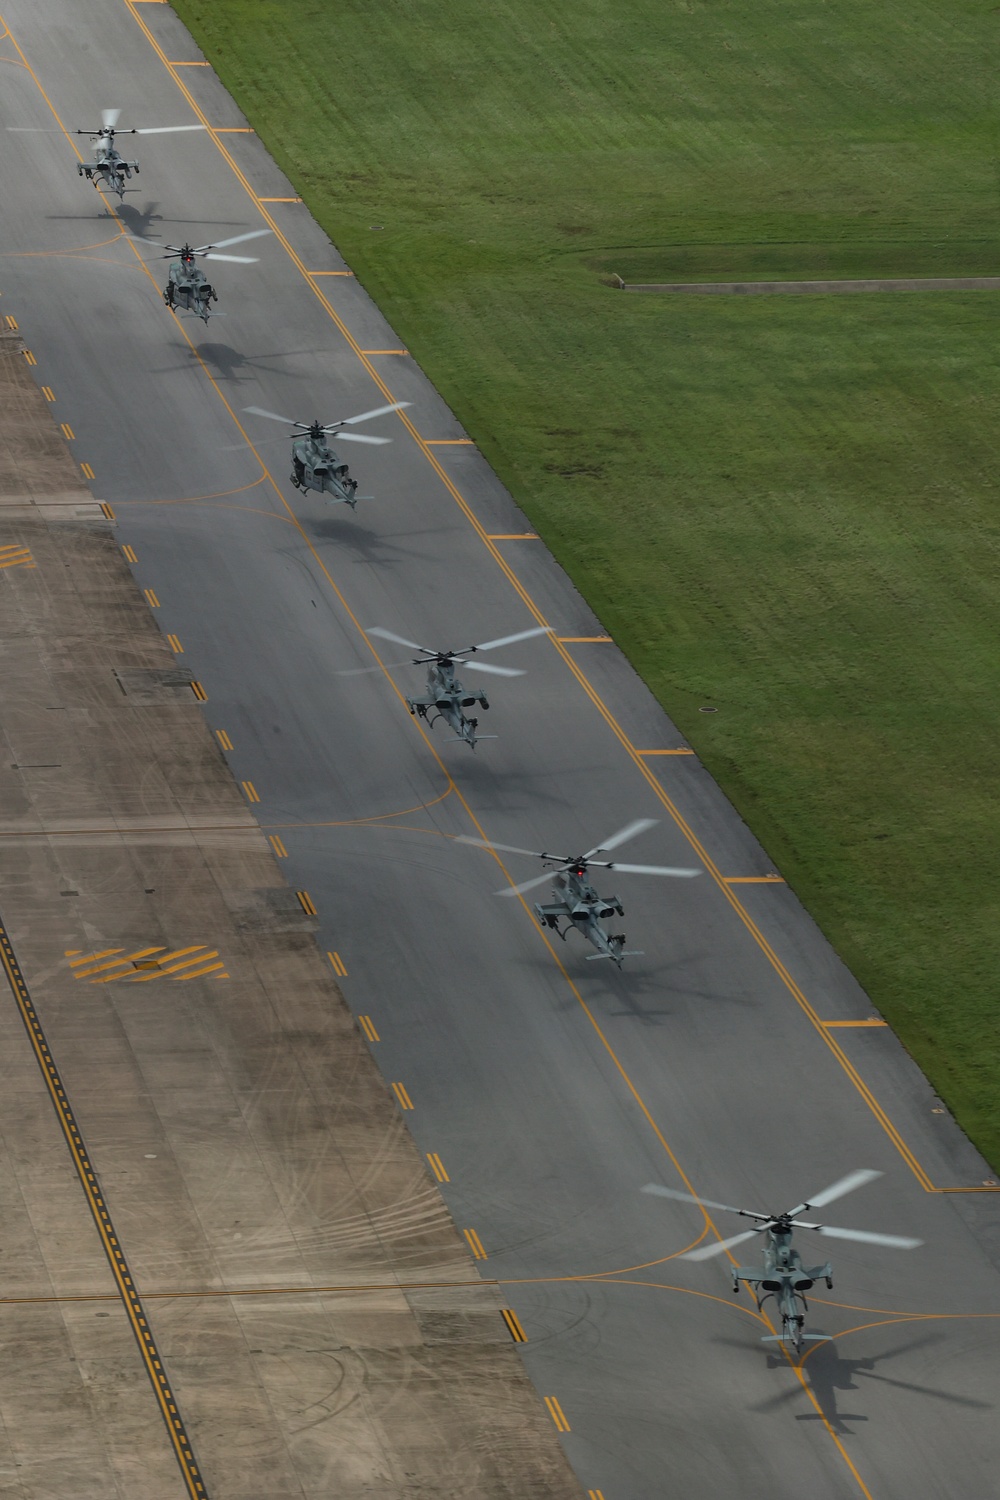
[(782, 507)]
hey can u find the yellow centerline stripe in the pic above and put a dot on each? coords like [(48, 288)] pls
[(105, 1228)]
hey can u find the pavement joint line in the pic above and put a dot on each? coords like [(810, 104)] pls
[(682, 825), (128, 1295), (267, 1291)]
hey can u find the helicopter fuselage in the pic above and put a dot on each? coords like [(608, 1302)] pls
[(108, 164), (315, 466), (577, 904), (189, 288), (447, 699), (784, 1278)]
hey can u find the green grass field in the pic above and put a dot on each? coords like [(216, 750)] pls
[(785, 507)]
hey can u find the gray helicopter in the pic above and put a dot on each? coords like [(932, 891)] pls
[(446, 698), (783, 1276), (575, 901), (109, 166), (188, 289), (315, 466)]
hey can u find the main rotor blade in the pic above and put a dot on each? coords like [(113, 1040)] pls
[(706, 1252), (602, 864), (526, 885), (366, 416), (843, 1186), (865, 1237), (388, 635), (241, 260), (110, 118), (656, 1191), (258, 411), (360, 437), (237, 239), (157, 244), (622, 836), (163, 129), (508, 640), (485, 666), (464, 838)]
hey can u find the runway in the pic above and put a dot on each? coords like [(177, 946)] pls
[(733, 1057)]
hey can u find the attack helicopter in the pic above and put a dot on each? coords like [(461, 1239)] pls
[(575, 901), (783, 1276), (109, 166), (446, 698), (315, 466), (188, 289)]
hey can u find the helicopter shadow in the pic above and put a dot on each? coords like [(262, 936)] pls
[(628, 987), (828, 1374), (140, 220), (350, 535)]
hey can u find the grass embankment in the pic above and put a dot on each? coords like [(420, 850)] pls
[(786, 507)]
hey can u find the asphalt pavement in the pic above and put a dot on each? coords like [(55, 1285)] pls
[(549, 1087)]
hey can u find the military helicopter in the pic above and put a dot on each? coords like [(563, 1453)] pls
[(188, 289), (315, 466), (109, 166), (783, 1276), (446, 698), (574, 899)]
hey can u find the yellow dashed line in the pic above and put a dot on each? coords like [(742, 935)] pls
[(11, 323), (30, 357), (199, 692), (513, 1322), (223, 739), (437, 1167), (67, 431), (250, 791), (48, 393), (306, 903), (405, 1102), (151, 599), (88, 472), (175, 645), (339, 967), (368, 1027), (557, 1414), (278, 846), (129, 553), (475, 1244)]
